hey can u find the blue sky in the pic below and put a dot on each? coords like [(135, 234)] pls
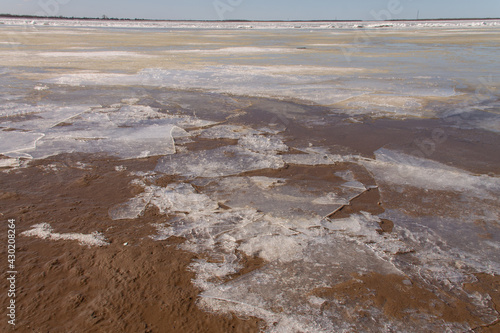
[(256, 9)]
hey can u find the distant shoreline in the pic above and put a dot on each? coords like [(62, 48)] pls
[(10, 16)]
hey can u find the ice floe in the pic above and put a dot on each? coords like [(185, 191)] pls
[(398, 168), (223, 161), (294, 201), (123, 142), (125, 131), (314, 156)]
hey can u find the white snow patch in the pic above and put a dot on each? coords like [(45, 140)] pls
[(45, 231)]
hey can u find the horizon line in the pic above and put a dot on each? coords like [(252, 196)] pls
[(105, 18)]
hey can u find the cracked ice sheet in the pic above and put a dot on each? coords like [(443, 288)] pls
[(14, 144), (298, 261), (450, 238), (140, 115), (296, 202), (451, 203), (249, 138), (124, 143), (315, 156), (125, 131), (24, 135), (297, 264), (280, 292), (223, 161), (448, 249), (393, 167), (42, 117)]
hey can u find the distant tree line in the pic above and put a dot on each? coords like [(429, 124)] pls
[(60, 17), (104, 17)]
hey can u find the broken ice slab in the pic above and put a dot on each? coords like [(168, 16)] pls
[(175, 198), (39, 117), (9, 162), (363, 228), (14, 143), (294, 201), (181, 198), (223, 161), (262, 144), (448, 248), (315, 156), (131, 209), (392, 167), (124, 142), (45, 231), (223, 229), (225, 132), (140, 115), (279, 292), (125, 131), (356, 224), (249, 138)]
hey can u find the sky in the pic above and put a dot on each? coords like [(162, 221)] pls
[(256, 9)]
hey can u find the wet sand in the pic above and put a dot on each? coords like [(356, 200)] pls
[(143, 286)]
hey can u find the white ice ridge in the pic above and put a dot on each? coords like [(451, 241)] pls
[(45, 231), (316, 25), (393, 167)]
